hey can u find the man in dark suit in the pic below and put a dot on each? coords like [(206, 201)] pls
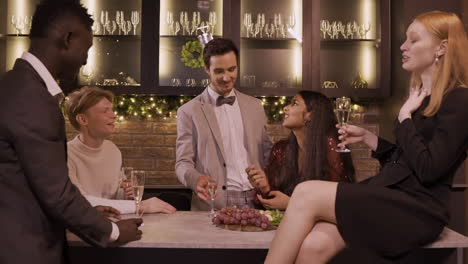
[(37, 199)]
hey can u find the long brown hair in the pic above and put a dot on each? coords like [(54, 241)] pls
[(453, 71), (318, 130)]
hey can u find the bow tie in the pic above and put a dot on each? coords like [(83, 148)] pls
[(225, 100)]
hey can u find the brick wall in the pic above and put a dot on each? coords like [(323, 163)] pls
[(150, 145)]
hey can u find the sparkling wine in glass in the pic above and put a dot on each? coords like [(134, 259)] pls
[(138, 187), (212, 186), (342, 112)]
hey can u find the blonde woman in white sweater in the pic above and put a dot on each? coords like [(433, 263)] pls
[(93, 162)]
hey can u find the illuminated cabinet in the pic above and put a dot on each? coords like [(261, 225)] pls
[(283, 46), (181, 68), (114, 60), (354, 48), (14, 30), (271, 47), (338, 47)]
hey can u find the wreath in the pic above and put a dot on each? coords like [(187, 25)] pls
[(192, 54)]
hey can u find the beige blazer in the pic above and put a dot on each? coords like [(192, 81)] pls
[(199, 146)]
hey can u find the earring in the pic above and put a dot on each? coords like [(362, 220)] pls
[(436, 59)]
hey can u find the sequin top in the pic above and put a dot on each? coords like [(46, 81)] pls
[(336, 170)]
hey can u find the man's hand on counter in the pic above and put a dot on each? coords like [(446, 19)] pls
[(108, 211), (128, 229)]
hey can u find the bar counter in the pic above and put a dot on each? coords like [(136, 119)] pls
[(190, 237), (187, 229)]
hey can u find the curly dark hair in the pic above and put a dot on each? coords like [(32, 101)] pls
[(218, 46), (49, 12), (319, 129)]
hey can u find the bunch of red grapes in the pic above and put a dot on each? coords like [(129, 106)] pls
[(232, 215)]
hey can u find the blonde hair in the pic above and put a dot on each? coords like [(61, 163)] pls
[(81, 100), (453, 71)]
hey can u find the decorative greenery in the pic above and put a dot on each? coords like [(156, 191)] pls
[(149, 107), (192, 54)]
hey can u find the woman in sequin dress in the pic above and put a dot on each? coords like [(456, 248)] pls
[(308, 154)]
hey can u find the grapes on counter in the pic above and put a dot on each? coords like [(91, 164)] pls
[(231, 215)]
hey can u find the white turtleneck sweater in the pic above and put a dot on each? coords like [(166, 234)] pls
[(95, 171)]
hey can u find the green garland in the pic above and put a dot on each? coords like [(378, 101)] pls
[(188, 53), (150, 107)]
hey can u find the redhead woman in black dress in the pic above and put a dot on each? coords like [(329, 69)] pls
[(405, 206)]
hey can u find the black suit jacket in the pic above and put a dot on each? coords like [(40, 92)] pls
[(428, 152), (37, 199)]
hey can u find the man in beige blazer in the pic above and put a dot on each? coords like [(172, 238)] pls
[(220, 133)]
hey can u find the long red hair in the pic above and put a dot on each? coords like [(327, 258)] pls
[(453, 71)]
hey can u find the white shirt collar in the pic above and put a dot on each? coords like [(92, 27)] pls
[(41, 69), (214, 95)]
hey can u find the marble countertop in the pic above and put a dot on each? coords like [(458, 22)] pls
[(186, 229)]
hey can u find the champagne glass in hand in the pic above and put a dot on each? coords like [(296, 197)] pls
[(138, 187), (125, 180), (343, 111), (212, 186)]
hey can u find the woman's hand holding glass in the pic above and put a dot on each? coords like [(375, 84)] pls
[(125, 182), (258, 179), (350, 134)]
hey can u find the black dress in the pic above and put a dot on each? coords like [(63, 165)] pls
[(405, 206)]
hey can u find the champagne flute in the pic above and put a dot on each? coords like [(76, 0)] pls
[(138, 187), (212, 186), (135, 20), (342, 112)]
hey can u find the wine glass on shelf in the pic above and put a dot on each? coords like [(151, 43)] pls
[(27, 24), (127, 27), (135, 20), (291, 21), (138, 187), (212, 186), (177, 28), (262, 23), (19, 25), (212, 20), (324, 27), (118, 20), (170, 22), (365, 28), (342, 112), (96, 28), (111, 27), (247, 23), (104, 20), (125, 179)]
